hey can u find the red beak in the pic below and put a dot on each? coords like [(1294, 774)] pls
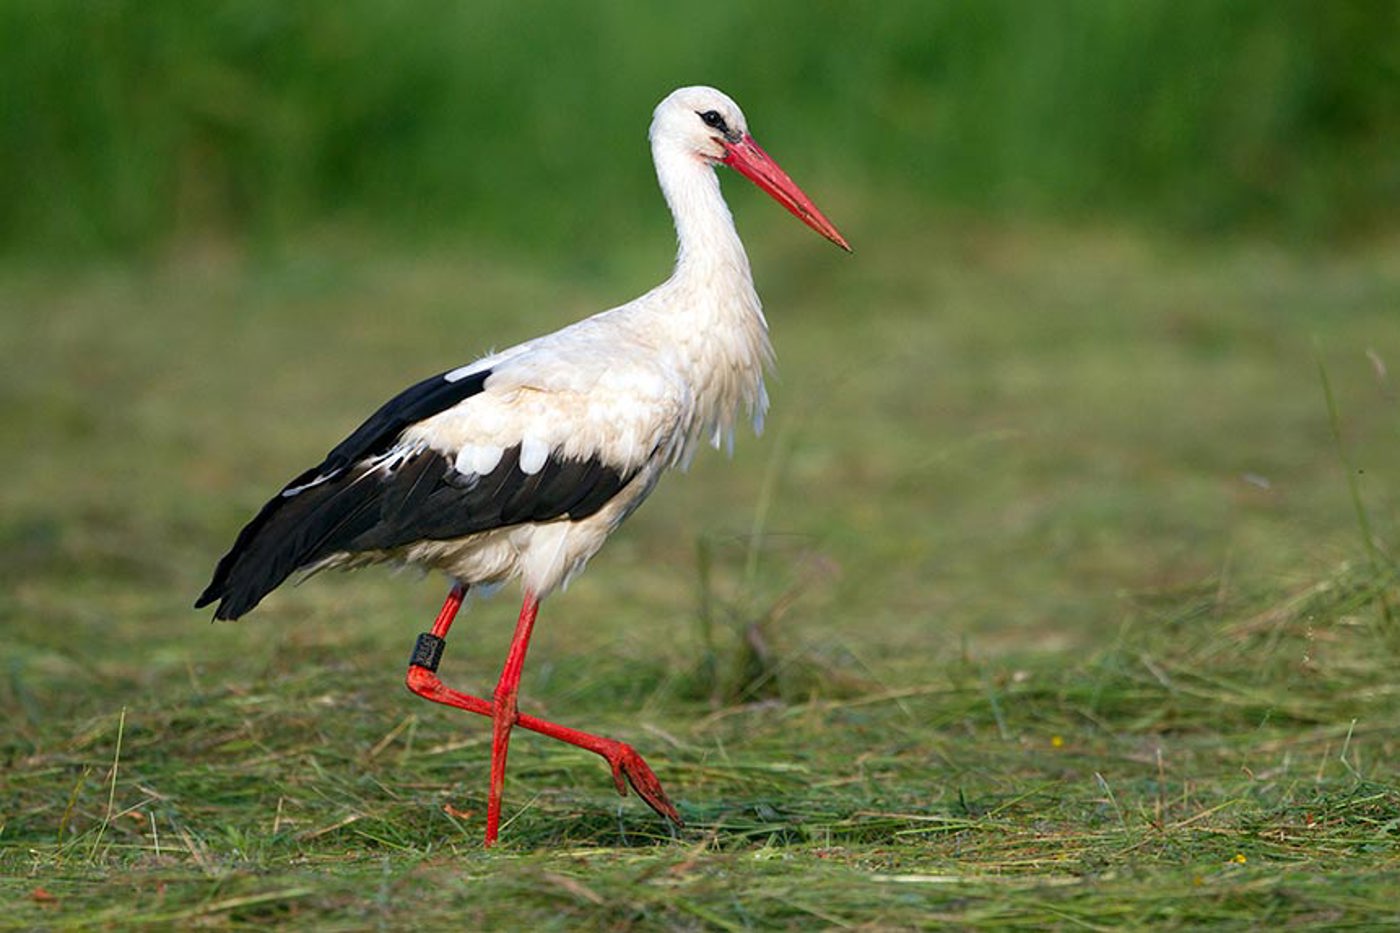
[(755, 164)]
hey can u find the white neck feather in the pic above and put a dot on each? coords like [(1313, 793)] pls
[(722, 335), (707, 242)]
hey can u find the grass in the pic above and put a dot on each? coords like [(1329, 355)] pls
[(1043, 603)]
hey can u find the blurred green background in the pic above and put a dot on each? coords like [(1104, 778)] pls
[(129, 125), (1101, 249)]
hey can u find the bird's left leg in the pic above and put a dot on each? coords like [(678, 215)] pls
[(503, 709)]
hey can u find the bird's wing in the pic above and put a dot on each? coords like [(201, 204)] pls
[(584, 393), (529, 435)]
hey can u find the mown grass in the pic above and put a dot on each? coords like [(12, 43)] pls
[(1042, 604)]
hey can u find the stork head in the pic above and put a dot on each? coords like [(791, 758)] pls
[(708, 124)]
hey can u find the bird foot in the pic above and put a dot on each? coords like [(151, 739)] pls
[(629, 768)]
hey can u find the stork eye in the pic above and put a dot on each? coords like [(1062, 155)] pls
[(713, 119)]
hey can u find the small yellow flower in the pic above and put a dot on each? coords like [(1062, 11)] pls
[(1056, 741), (1239, 858)]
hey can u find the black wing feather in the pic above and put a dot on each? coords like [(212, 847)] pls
[(376, 435), (357, 500), (422, 400)]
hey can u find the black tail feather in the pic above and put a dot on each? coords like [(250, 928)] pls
[(288, 534), (329, 506)]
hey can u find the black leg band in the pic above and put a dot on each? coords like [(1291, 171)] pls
[(427, 652)]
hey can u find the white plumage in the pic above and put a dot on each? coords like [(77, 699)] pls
[(635, 388), (521, 463)]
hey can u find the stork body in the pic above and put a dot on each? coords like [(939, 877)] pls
[(520, 464)]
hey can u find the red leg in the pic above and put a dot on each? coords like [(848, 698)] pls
[(448, 613), (504, 711), (628, 767)]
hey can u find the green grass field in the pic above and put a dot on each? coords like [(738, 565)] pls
[(1046, 602)]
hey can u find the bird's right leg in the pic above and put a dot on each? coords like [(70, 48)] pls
[(627, 766)]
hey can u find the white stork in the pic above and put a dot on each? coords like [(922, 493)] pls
[(520, 464)]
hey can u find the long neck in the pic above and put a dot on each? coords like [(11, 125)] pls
[(722, 340), (707, 243)]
